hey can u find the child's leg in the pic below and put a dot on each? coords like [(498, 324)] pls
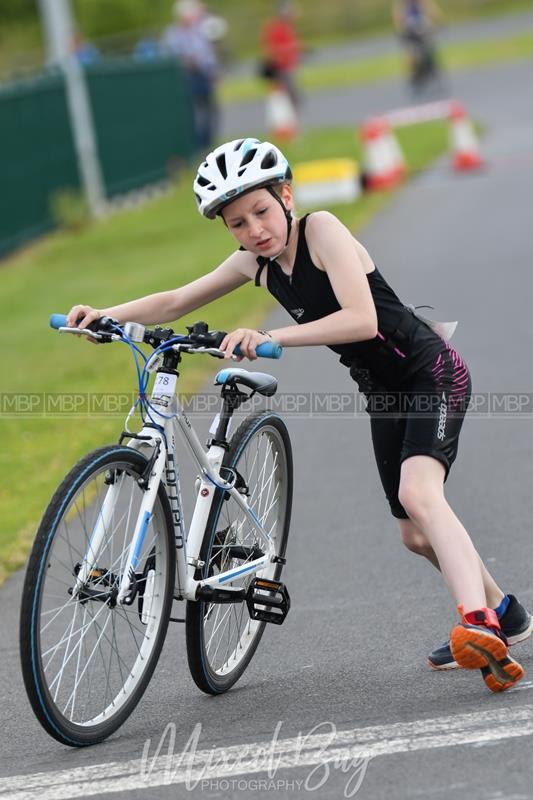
[(414, 485), (421, 494), (415, 541)]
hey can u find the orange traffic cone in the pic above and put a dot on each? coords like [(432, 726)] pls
[(281, 119), (384, 163), (464, 141)]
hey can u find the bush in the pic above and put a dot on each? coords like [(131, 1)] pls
[(69, 209)]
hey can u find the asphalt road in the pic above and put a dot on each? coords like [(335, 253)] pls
[(347, 669)]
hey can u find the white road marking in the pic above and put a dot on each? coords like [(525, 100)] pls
[(247, 759)]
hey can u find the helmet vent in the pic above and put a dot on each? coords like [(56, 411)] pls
[(269, 160), (221, 164), (202, 181), (248, 156), (241, 171), (238, 144)]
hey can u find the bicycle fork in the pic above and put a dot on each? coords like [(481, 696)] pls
[(126, 589)]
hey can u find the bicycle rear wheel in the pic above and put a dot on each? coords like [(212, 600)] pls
[(221, 639), (87, 660)]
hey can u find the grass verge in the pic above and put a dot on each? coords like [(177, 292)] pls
[(158, 246)]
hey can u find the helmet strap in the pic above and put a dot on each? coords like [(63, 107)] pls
[(288, 214)]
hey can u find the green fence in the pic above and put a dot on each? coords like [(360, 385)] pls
[(143, 120), (144, 130), (36, 156)]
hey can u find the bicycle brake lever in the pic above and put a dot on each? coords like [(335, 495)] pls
[(81, 332), (103, 338), (189, 348), (212, 351)]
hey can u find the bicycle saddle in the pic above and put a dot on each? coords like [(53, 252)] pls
[(258, 381)]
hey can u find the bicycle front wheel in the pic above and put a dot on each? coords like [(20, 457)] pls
[(221, 639), (87, 660)]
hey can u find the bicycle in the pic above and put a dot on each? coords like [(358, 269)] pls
[(112, 552)]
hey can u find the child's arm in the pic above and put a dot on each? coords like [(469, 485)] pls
[(168, 306), (333, 248)]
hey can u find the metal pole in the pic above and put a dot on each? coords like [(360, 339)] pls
[(59, 28)]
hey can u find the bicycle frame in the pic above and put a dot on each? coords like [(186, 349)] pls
[(160, 434)]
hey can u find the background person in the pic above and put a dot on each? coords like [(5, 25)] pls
[(281, 50), (415, 22), (86, 52), (187, 40)]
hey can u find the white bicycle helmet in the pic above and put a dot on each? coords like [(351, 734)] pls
[(235, 168)]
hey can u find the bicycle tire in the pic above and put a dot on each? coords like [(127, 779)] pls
[(224, 522), (85, 663)]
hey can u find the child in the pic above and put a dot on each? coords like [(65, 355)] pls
[(329, 284)]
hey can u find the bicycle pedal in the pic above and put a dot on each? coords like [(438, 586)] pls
[(268, 601)]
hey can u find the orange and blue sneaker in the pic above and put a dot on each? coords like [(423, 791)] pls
[(516, 624), (477, 642)]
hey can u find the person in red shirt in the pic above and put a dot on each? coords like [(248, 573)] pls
[(282, 48)]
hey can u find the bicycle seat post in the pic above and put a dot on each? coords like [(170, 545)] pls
[(232, 398)]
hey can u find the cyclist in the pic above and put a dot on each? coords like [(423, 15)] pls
[(330, 286), (415, 21)]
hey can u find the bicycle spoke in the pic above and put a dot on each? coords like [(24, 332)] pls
[(116, 649), (66, 658), (68, 640), (219, 623), (78, 662), (79, 677), (67, 637)]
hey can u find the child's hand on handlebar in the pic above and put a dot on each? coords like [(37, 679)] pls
[(247, 339), (85, 315), (81, 316)]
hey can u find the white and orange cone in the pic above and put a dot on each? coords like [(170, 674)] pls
[(384, 163), (281, 118), (464, 141)]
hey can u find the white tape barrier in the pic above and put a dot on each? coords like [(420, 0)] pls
[(425, 113)]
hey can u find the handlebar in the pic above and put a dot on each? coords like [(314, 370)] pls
[(58, 321), (264, 350), (157, 336)]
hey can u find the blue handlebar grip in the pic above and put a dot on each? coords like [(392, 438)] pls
[(264, 350), (58, 321)]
